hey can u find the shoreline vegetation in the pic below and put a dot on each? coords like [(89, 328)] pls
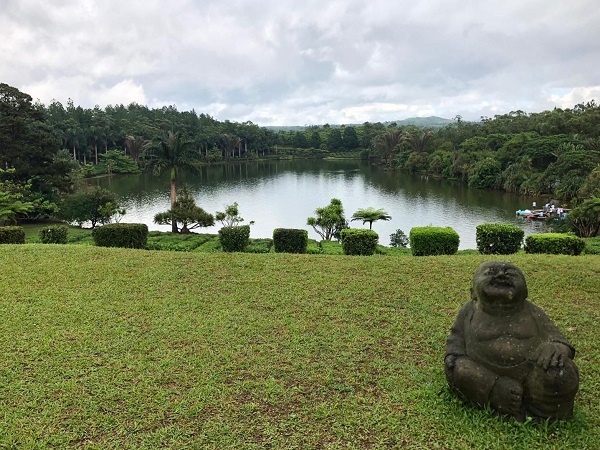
[(209, 243), (117, 348)]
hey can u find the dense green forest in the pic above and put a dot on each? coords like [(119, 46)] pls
[(44, 149)]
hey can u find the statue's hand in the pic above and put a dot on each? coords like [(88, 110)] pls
[(553, 354), (507, 396), (450, 361)]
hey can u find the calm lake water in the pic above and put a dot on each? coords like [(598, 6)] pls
[(283, 194)]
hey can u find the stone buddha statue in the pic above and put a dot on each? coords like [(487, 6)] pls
[(504, 351)]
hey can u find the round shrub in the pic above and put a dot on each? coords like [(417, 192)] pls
[(429, 241), (554, 243), (54, 234), (290, 240), (235, 238), (125, 235), (499, 238), (359, 241), (12, 235)]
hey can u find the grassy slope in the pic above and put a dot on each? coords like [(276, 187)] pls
[(114, 348)]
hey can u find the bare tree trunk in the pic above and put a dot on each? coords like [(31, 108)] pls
[(173, 198)]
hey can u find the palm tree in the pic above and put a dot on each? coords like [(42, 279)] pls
[(173, 154), (370, 215), (418, 140), (386, 144), (135, 146)]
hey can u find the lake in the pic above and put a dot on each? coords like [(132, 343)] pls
[(283, 194)]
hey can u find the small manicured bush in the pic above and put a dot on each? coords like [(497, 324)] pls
[(498, 238), (54, 234), (290, 240), (554, 243), (234, 238), (125, 235), (428, 241), (12, 235), (359, 241)]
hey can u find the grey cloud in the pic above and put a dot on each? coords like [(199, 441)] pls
[(309, 62)]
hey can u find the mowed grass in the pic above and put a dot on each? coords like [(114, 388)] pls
[(117, 349)]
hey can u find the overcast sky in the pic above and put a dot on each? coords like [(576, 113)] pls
[(279, 62)]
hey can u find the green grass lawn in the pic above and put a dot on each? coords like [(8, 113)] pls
[(114, 348)]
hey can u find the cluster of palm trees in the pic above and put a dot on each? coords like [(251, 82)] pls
[(387, 145)]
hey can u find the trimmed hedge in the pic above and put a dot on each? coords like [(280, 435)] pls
[(54, 234), (12, 235), (359, 241), (429, 241), (498, 238), (234, 239), (125, 235), (290, 240), (554, 243)]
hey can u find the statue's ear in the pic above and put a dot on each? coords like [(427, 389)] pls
[(473, 296)]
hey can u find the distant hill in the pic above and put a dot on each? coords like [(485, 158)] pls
[(422, 122)]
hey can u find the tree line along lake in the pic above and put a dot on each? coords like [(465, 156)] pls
[(284, 193)]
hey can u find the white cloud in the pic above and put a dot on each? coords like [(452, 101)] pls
[(575, 96), (310, 62)]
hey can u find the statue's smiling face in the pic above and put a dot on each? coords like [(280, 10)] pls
[(499, 286)]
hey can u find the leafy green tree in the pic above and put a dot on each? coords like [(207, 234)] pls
[(485, 174), (398, 239), (350, 138), (570, 170), (299, 140), (95, 205), (370, 215), (115, 161), (18, 200), (585, 219), (231, 216), (173, 153), (315, 140), (329, 220), (439, 162), (591, 186), (416, 162), (334, 140), (28, 144), (185, 212), (12, 204)]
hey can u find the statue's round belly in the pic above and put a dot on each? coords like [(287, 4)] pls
[(504, 351)]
